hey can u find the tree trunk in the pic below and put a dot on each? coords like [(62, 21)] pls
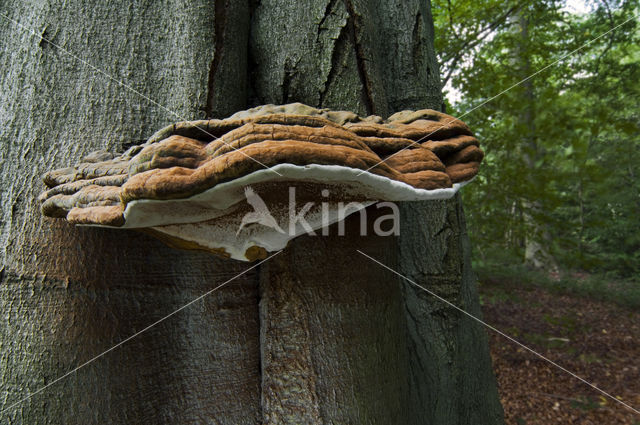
[(319, 334), (69, 293), (536, 236)]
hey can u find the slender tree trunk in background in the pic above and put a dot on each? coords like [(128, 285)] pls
[(319, 334), (536, 236)]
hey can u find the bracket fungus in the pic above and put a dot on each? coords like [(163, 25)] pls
[(227, 186)]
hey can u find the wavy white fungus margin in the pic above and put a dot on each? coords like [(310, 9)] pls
[(208, 220)]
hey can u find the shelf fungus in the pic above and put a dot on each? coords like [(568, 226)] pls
[(247, 184)]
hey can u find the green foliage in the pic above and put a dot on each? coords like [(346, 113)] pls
[(562, 147)]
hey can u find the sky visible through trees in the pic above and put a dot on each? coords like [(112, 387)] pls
[(558, 186)]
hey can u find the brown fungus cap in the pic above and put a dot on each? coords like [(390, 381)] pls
[(192, 174)]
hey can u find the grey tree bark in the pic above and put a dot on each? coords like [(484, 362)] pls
[(319, 334), (536, 236)]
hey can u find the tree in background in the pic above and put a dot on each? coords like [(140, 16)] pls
[(561, 146), (319, 334)]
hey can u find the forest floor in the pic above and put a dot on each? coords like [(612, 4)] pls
[(597, 340)]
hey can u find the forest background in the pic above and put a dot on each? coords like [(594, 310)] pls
[(558, 193), (554, 214)]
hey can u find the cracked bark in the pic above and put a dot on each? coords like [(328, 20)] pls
[(369, 76), (228, 79), (431, 364), (319, 334)]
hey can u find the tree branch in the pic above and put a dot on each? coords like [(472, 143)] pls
[(449, 63)]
